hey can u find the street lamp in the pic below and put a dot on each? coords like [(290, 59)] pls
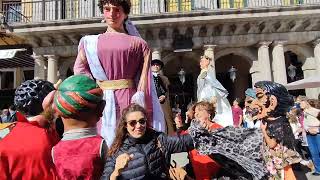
[(182, 78), (182, 75), (292, 71), (232, 73)]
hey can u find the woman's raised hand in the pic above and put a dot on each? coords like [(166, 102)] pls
[(122, 161)]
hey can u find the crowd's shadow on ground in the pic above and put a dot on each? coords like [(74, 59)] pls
[(300, 172)]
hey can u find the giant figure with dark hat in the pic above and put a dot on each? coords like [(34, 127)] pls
[(162, 87), (119, 60)]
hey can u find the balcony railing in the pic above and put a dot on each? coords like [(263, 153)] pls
[(50, 10)]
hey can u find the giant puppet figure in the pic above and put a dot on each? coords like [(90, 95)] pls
[(119, 60), (210, 89), (162, 87), (272, 103), (250, 153)]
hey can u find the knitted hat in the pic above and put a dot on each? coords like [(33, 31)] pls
[(30, 95)]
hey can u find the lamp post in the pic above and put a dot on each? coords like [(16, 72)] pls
[(292, 71), (182, 78), (233, 73)]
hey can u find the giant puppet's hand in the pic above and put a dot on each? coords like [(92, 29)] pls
[(177, 173), (162, 98), (138, 98)]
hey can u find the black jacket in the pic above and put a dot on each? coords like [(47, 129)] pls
[(149, 162)]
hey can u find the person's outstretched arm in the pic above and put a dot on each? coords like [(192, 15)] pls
[(176, 144)]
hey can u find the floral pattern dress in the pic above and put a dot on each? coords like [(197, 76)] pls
[(283, 154)]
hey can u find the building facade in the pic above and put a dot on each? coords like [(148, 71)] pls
[(259, 38)]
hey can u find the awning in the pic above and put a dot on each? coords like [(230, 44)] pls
[(20, 59), (9, 53), (9, 39), (13, 53), (310, 82)]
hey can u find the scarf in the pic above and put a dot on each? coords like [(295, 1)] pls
[(237, 150)]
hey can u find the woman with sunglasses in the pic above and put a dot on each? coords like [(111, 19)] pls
[(139, 152)]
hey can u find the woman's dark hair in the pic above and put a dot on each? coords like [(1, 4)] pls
[(209, 107), (284, 99), (12, 108), (121, 131), (125, 4)]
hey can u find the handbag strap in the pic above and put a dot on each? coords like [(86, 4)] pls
[(160, 147)]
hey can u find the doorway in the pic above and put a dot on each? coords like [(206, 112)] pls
[(243, 78)]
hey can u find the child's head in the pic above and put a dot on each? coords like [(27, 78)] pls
[(236, 102), (79, 101)]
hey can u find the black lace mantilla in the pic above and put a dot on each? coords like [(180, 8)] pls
[(280, 130), (237, 150)]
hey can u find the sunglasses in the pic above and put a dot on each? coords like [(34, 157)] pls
[(205, 57), (133, 123)]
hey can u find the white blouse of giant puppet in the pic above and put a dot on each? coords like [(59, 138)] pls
[(211, 90)]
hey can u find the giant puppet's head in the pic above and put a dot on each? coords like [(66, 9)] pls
[(273, 100), (156, 65), (205, 62)]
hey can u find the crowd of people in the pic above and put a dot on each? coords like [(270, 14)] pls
[(108, 121)]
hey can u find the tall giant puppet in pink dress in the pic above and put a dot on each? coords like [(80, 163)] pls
[(119, 60)]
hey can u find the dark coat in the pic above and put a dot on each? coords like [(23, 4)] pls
[(150, 161)]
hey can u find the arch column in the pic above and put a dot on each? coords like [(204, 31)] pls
[(209, 51), (255, 75), (52, 68), (264, 60), (64, 65), (39, 67), (278, 63), (316, 50), (18, 77), (309, 70)]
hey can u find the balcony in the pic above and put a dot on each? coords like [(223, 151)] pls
[(30, 11)]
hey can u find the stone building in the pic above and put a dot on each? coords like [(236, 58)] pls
[(259, 38)]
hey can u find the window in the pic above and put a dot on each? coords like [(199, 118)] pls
[(28, 74), (12, 11), (7, 78)]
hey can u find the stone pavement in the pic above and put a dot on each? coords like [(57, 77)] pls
[(303, 174)]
